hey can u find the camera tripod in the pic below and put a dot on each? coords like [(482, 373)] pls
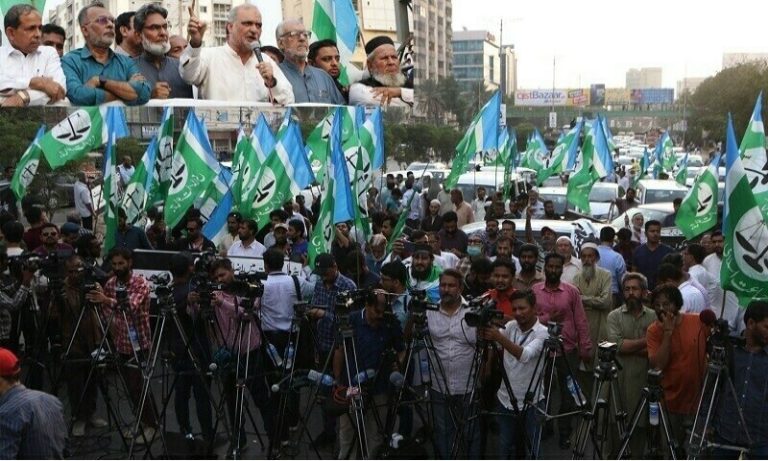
[(168, 312), (596, 420), (651, 403), (37, 345), (472, 402), (717, 376), (544, 375), (421, 349)]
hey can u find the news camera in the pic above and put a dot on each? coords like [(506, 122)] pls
[(163, 288), (606, 352), (346, 300), (483, 313), (244, 289), (419, 303), (554, 329)]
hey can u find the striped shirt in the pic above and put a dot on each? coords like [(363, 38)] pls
[(31, 425)]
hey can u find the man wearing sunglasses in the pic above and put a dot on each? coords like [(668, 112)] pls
[(236, 71), (309, 83), (160, 70), (30, 74), (96, 74)]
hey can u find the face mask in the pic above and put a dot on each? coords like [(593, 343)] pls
[(474, 250)]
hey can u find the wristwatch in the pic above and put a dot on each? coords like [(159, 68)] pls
[(102, 81)]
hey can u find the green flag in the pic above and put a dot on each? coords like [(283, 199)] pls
[(698, 211), (745, 266), (109, 190), (27, 166), (237, 167), (753, 156), (5, 5), (161, 171), (74, 137), (557, 161), (193, 170), (317, 145), (135, 197), (682, 171), (581, 181)]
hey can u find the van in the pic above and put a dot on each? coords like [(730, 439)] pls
[(659, 191)]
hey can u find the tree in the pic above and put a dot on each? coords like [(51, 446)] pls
[(430, 101), (731, 90)]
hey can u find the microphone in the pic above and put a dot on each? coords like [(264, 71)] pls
[(708, 317), (256, 48)]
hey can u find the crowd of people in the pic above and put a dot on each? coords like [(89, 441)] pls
[(646, 298), (132, 58)]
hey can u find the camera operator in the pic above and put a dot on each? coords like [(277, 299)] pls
[(68, 311), (373, 336), (331, 283), (135, 305), (560, 302), (750, 375), (627, 328), (14, 296), (188, 381), (677, 347), (454, 343), (504, 286), (394, 278), (281, 293), (522, 340), (229, 312)]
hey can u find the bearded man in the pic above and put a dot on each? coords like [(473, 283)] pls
[(387, 85), (160, 70)]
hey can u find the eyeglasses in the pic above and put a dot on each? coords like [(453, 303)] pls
[(298, 33), (103, 20)]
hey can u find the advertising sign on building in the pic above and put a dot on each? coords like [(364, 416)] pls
[(653, 96), (597, 94)]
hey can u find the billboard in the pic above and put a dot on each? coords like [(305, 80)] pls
[(653, 96), (597, 94), (617, 96), (546, 98)]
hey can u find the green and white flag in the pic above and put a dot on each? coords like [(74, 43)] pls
[(237, 168), (753, 156), (27, 166), (337, 20), (261, 144), (74, 137), (134, 200), (698, 211), (317, 144), (589, 170), (193, 170), (481, 135), (322, 233), (745, 265), (109, 190), (162, 169), (682, 171), (557, 162)]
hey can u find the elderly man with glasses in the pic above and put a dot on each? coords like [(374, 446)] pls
[(309, 83), (96, 74)]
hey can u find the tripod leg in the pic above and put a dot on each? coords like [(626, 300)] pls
[(671, 442), (638, 413)]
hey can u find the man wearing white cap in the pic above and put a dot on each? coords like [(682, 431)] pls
[(386, 85), (572, 264)]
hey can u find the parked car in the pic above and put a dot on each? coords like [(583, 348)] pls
[(659, 191)]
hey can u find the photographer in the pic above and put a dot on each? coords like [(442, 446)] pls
[(129, 294), (677, 347), (326, 290), (188, 380), (750, 375), (522, 340), (229, 313), (454, 343), (504, 286), (14, 296), (281, 293), (87, 339), (374, 335)]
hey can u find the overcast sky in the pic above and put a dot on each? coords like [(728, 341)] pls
[(597, 41)]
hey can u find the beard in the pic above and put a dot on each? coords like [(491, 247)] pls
[(527, 267), (588, 272), (419, 274), (634, 303), (389, 80), (156, 49)]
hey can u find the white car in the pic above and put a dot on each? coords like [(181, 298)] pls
[(659, 191)]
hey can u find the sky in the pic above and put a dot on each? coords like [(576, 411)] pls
[(599, 40)]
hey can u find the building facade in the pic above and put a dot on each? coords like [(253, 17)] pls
[(646, 77), (432, 29), (477, 58)]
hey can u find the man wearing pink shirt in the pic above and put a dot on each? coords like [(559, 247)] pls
[(560, 302)]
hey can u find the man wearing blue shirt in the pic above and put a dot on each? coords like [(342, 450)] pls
[(94, 73), (309, 83), (611, 261)]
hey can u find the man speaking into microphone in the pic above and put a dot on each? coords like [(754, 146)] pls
[(237, 70)]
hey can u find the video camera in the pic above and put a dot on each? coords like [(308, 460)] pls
[(346, 300), (88, 278), (654, 377), (50, 265), (163, 288), (419, 303), (244, 289), (554, 329), (484, 312), (606, 352)]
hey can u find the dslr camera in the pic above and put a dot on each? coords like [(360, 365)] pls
[(483, 313)]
